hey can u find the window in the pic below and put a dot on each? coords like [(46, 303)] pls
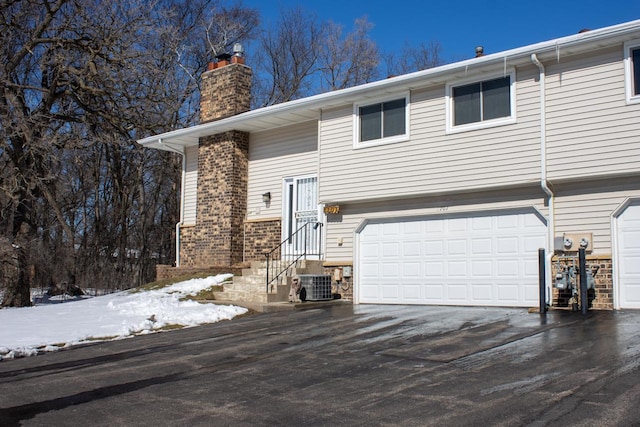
[(632, 71), (382, 122), (480, 104)]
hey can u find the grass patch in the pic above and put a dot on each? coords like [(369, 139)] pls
[(159, 284), (206, 294)]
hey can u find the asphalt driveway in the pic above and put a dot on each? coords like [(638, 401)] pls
[(345, 366)]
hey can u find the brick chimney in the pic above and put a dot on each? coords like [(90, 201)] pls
[(217, 238), (226, 88)]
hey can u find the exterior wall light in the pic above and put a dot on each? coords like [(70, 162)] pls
[(266, 197)]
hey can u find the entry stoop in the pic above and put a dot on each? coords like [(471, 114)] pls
[(251, 286)]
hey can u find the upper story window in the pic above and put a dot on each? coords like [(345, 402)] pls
[(478, 104), (632, 71), (382, 122)]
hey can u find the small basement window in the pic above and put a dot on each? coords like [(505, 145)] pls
[(632, 71), (382, 122)]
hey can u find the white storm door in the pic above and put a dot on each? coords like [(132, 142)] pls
[(300, 208)]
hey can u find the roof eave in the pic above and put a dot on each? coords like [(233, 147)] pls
[(308, 108)]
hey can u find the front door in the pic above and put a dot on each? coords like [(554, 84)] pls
[(300, 207)]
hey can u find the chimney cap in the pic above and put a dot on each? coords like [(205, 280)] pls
[(238, 50)]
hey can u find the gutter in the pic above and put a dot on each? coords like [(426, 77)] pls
[(544, 182), (572, 44)]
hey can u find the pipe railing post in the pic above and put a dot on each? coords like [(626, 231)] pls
[(542, 280), (584, 295)]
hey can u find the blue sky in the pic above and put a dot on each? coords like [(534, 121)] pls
[(461, 25)]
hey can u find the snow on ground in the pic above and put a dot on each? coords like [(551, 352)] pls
[(30, 330)]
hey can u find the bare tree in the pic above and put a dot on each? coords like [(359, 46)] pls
[(410, 58), (348, 60), (80, 81), (287, 58)]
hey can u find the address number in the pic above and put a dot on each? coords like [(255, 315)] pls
[(331, 209)]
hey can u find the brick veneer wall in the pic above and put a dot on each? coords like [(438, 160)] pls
[(345, 287), (602, 297), (261, 236)]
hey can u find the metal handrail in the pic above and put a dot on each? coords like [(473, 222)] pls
[(305, 241)]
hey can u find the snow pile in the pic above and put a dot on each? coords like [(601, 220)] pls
[(27, 331)]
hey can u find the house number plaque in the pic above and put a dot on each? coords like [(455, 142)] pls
[(332, 209)]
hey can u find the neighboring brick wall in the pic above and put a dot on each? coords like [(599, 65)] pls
[(225, 91), (260, 237), (602, 298)]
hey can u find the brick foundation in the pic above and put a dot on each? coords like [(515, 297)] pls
[(602, 297), (345, 286)]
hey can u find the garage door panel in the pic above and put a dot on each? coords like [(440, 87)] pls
[(434, 293), (482, 292), (457, 269), (482, 246), (411, 292), (457, 247), (628, 241), (482, 223), (507, 268), (482, 268), (458, 292), (508, 293), (412, 270), (507, 245), (411, 249), (434, 269), (434, 248), (631, 266), (476, 260), (533, 243), (456, 225)]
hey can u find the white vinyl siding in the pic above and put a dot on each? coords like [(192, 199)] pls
[(274, 155), (588, 209), (190, 189), (590, 129), (432, 161), (341, 228)]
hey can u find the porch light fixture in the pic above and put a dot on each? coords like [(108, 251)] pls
[(266, 197)]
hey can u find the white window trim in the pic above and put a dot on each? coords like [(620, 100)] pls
[(357, 144), (451, 128), (628, 71)]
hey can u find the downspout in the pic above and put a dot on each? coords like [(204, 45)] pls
[(179, 224), (544, 183)]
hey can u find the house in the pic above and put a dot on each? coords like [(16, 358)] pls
[(435, 187)]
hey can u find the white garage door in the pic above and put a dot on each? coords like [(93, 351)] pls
[(628, 230), (480, 260)]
